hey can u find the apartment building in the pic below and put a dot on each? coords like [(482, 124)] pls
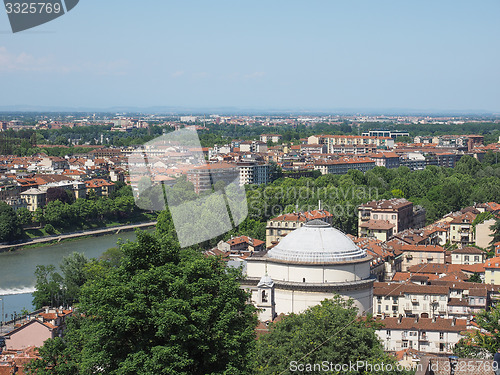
[(204, 177), (336, 140), (252, 173), (461, 229), (275, 138), (492, 271), (395, 299), (443, 296), (280, 226), (468, 255), (397, 211), (428, 335), (388, 160), (253, 146), (380, 229), (343, 165), (419, 254), (386, 133), (34, 198)]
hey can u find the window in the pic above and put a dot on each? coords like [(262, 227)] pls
[(393, 217), (303, 279), (466, 258), (405, 344), (386, 307), (375, 216), (476, 258), (388, 332), (441, 335), (264, 296)]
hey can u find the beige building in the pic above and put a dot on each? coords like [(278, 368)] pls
[(380, 229), (468, 255), (309, 265), (461, 229), (492, 271), (280, 226), (35, 198), (419, 254), (484, 234)]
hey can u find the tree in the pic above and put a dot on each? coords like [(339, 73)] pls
[(475, 278), (49, 228), (496, 232), (57, 193), (25, 216), (329, 331), (53, 361), (9, 225), (162, 311), (54, 288), (47, 288), (468, 165), (483, 342)]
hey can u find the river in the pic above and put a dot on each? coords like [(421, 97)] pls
[(17, 268)]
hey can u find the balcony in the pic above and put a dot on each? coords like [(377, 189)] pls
[(423, 337)]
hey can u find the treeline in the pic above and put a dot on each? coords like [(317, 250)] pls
[(439, 190), (62, 212)]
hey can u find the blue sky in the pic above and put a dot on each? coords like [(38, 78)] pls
[(294, 55)]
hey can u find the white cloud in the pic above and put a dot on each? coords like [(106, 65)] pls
[(178, 73), (24, 62)]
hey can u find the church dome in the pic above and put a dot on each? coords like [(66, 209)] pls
[(316, 242)]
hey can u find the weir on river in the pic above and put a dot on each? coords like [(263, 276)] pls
[(17, 268)]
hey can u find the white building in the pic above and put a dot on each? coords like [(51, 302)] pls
[(310, 264), (426, 335)]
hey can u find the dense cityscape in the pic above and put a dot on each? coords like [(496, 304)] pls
[(397, 214)]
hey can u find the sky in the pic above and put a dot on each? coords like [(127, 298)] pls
[(266, 55)]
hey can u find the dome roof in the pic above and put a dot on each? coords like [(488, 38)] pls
[(266, 281), (316, 242)]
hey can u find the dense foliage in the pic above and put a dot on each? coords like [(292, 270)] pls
[(9, 223), (159, 310), (482, 342), (329, 332), (439, 190), (60, 289)]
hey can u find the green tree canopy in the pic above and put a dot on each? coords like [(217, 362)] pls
[(162, 311), (9, 223), (327, 332)]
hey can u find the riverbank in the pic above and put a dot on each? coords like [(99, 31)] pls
[(42, 241)]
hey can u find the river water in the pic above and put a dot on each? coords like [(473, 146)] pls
[(17, 268)]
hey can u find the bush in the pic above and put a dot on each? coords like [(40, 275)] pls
[(49, 229)]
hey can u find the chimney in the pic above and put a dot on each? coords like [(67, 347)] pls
[(453, 321)]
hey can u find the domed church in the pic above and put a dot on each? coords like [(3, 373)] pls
[(310, 264)]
